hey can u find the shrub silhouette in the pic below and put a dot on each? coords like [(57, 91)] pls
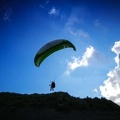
[(13, 105)]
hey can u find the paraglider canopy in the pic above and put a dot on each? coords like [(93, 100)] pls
[(50, 48)]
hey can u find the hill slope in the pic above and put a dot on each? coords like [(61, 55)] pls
[(55, 106)]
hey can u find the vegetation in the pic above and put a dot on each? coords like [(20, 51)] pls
[(52, 106)]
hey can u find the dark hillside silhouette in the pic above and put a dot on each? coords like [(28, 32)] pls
[(56, 106)]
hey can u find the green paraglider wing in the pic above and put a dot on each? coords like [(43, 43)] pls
[(50, 48)]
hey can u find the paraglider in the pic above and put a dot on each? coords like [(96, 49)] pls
[(50, 48), (52, 86)]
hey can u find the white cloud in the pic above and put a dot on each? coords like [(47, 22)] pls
[(84, 61), (74, 21), (7, 15), (47, 2), (53, 11), (97, 23), (100, 26), (77, 62), (111, 87), (44, 4), (90, 57), (95, 90), (79, 33), (116, 49)]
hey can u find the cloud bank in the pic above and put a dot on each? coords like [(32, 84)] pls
[(111, 87)]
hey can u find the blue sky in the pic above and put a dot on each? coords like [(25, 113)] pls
[(91, 25)]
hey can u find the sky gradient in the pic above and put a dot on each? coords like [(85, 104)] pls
[(91, 25)]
